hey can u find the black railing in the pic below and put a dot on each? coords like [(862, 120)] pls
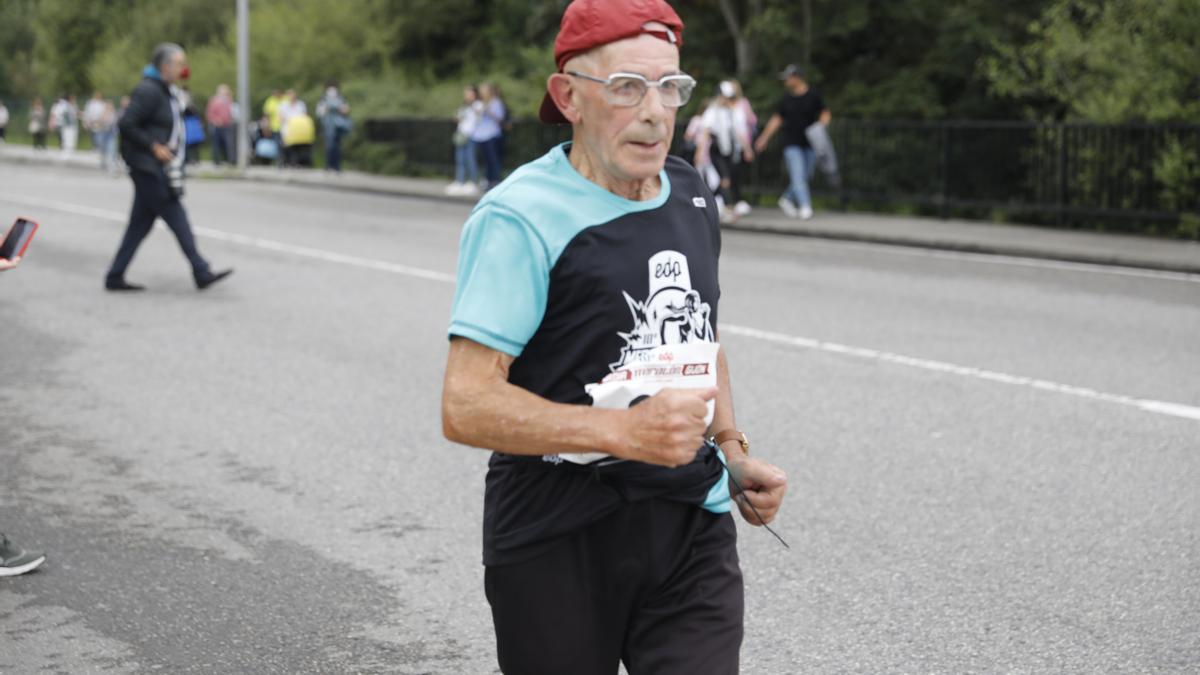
[(1132, 177)]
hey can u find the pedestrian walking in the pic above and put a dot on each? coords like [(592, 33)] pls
[(222, 129), (99, 119), (489, 131), (725, 124), (334, 113), (466, 165), (606, 528), (800, 108), (37, 124), (3, 121), (152, 145)]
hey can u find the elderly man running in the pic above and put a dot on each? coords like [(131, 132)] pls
[(606, 528)]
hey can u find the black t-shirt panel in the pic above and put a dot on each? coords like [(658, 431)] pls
[(799, 113)]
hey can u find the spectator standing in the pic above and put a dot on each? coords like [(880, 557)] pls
[(466, 166), (104, 135), (270, 110), (800, 108), (3, 121), (489, 131), (219, 115), (265, 142), (334, 114), (37, 124), (91, 116), (152, 144), (299, 134), (64, 120)]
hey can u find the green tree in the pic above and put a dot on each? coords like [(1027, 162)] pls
[(1105, 61)]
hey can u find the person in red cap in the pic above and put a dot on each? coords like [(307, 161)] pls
[(584, 354)]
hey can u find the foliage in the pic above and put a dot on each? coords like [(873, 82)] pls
[(1106, 61)]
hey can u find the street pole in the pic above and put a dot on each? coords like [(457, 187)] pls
[(243, 84)]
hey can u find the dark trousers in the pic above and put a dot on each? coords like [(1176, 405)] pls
[(492, 158), (333, 149), (727, 168), (153, 199), (655, 585)]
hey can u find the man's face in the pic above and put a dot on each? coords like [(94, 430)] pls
[(629, 143), (173, 67)]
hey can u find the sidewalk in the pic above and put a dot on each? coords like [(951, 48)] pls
[(931, 233)]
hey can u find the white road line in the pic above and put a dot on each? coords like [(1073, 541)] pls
[(256, 242), (1146, 405)]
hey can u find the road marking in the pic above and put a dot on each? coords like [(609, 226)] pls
[(1147, 405), (256, 242), (997, 259)]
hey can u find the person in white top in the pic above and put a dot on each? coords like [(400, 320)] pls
[(3, 121), (729, 144), (466, 164)]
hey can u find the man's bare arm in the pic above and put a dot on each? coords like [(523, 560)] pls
[(481, 408), (765, 137)]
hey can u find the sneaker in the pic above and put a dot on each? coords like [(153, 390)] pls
[(15, 560), (805, 212), (469, 189), (789, 209), (741, 208), (455, 188)]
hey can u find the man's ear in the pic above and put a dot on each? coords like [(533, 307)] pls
[(562, 89)]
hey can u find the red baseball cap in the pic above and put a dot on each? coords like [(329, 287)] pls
[(588, 24)]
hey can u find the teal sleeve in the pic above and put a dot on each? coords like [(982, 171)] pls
[(503, 279)]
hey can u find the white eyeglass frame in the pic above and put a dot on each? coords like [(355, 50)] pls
[(686, 84)]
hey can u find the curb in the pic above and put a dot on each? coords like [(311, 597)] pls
[(964, 247)]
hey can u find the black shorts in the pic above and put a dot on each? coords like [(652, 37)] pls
[(656, 585)]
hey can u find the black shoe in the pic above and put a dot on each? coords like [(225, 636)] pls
[(119, 284), (211, 278)]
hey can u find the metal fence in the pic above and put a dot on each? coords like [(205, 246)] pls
[(1133, 177)]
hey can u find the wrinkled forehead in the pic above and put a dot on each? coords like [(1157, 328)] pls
[(643, 54)]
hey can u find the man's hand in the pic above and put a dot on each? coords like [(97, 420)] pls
[(764, 485), (667, 428), (748, 154), (162, 152), (760, 143), (8, 264)]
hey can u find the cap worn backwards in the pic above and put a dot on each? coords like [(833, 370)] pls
[(588, 24)]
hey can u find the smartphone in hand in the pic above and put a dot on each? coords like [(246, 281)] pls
[(17, 239)]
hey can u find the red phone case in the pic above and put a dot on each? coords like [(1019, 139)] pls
[(24, 246)]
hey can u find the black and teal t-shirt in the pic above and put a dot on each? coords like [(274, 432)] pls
[(573, 281)]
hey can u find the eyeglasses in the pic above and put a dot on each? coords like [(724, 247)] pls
[(628, 89)]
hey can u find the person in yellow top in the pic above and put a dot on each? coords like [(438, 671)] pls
[(271, 109), (299, 133)]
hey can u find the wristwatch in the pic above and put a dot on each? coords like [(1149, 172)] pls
[(732, 435)]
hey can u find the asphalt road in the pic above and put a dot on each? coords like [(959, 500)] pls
[(994, 463)]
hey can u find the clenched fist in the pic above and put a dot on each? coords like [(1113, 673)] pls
[(667, 428)]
